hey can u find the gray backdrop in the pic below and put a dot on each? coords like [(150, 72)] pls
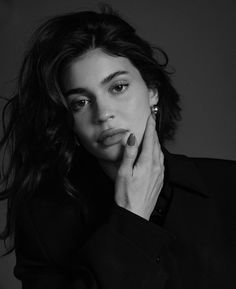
[(199, 37)]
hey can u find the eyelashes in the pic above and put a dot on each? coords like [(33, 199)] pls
[(119, 87), (116, 89), (78, 104)]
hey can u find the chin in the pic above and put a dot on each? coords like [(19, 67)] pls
[(112, 153)]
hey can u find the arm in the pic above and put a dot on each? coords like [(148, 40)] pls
[(52, 252), (122, 253)]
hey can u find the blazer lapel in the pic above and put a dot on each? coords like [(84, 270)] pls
[(183, 172)]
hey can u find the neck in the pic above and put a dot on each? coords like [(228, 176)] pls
[(110, 168)]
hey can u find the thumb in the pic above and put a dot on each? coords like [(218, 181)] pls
[(130, 153)]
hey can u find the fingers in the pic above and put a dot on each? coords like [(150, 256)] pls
[(129, 156), (150, 149), (157, 152), (158, 159), (150, 140)]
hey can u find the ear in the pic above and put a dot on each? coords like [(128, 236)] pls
[(153, 96)]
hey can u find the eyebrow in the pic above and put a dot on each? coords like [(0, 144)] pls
[(80, 90), (113, 75)]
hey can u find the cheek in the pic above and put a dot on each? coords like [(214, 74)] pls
[(82, 129)]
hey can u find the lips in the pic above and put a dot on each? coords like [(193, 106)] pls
[(111, 136)]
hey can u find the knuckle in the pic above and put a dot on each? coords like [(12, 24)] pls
[(122, 172), (157, 168), (145, 171), (130, 152)]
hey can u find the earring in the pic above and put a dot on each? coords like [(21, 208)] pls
[(155, 109), (156, 112)]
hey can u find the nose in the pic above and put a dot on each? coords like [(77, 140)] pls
[(103, 112)]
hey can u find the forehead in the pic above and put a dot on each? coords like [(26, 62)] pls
[(95, 65)]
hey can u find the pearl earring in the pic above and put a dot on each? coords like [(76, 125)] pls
[(155, 109)]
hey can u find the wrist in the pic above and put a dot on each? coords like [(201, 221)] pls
[(140, 213)]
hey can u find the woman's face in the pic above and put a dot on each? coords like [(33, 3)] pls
[(106, 92)]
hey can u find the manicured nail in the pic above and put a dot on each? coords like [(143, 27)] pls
[(131, 140)]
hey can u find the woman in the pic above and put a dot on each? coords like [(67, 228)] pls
[(94, 198)]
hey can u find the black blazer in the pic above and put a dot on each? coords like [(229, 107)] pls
[(91, 243)]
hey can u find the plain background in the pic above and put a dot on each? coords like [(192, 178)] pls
[(198, 36)]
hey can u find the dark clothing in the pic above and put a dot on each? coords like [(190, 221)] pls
[(90, 242)]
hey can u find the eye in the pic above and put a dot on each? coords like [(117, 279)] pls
[(78, 104), (119, 87)]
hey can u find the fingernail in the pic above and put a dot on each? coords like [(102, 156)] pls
[(131, 140)]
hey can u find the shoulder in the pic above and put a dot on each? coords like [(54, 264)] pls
[(219, 173), (218, 176), (209, 168), (214, 165), (212, 183)]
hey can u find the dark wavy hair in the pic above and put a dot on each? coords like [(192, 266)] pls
[(38, 135)]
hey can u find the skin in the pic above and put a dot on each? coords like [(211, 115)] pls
[(93, 101), (138, 185)]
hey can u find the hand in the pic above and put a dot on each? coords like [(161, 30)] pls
[(138, 187)]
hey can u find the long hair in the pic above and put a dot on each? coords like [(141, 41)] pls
[(38, 135)]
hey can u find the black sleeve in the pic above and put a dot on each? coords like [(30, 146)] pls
[(53, 251)]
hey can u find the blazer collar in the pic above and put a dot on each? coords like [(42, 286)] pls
[(182, 171)]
